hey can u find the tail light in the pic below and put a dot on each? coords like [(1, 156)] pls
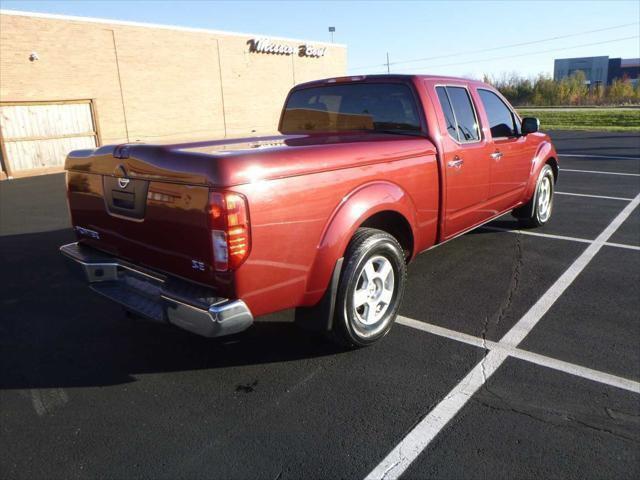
[(230, 234)]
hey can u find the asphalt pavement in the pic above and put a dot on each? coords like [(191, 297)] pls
[(87, 393)]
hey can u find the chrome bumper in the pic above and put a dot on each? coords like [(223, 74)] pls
[(155, 296)]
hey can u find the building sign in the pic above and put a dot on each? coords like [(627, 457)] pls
[(264, 45)]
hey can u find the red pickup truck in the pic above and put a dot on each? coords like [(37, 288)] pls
[(368, 172)]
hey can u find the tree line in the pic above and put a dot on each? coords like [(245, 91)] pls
[(572, 90)]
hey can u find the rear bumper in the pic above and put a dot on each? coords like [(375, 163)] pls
[(158, 297)]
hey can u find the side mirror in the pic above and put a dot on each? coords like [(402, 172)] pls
[(530, 125)]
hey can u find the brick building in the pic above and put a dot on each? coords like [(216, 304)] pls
[(70, 82)]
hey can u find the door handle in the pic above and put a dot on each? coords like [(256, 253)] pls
[(456, 162), (497, 155)]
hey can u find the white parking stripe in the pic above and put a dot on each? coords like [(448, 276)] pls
[(600, 172), (597, 156), (572, 369), (542, 360), (593, 196), (558, 237), (441, 331), (397, 461), (621, 245), (417, 439), (520, 330), (537, 234)]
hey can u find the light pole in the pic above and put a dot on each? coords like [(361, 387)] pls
[(332, 30)]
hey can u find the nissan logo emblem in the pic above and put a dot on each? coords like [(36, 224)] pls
[(122, 181)]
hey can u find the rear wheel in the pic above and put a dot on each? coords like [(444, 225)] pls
[(371, 287), (538, 210)]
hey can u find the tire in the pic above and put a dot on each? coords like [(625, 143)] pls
[(537, 211), (370, 290)]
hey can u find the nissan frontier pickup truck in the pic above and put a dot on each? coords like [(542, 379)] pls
[(367, 172)]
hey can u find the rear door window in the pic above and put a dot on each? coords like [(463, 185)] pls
[(465, 115), (448, 112), (462, 122), (501, 119)]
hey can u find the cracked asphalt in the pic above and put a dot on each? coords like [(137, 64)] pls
[(88, 393)]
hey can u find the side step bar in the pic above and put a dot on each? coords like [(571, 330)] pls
[(158, 297)]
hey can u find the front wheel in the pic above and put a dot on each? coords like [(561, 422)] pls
[(538, 210), (371, 287)]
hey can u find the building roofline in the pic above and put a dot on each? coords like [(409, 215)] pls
[(630, 62), (127, 23)]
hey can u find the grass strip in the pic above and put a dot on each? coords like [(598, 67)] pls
[(612, 120)]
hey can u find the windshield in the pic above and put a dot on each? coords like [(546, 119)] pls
[(364, 106)]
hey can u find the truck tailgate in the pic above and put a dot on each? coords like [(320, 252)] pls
[(141, 213)]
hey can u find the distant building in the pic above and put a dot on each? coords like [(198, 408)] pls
[(624, 67), (598, 70)]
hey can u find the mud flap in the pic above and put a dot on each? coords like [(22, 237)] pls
[(319, 318)]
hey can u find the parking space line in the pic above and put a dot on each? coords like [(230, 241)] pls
[(408, 449), (538, 234), (422, 434), (597, 156), (442, 332), (573, 369), (600, 172), (542, 360), (621, 245), (594, 196), (530, 319), (558, 237)]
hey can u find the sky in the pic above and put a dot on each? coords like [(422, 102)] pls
[(461, 38)]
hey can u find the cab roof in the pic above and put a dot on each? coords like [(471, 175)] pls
[(393, 77)]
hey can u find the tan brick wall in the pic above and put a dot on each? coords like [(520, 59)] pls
[(76, 62), (172, 86), (261, 80)]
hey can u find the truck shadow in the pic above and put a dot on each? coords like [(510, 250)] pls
[(55, 332)]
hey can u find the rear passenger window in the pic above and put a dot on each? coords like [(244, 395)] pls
[(500, 118), (464, 115), (448, 113)]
